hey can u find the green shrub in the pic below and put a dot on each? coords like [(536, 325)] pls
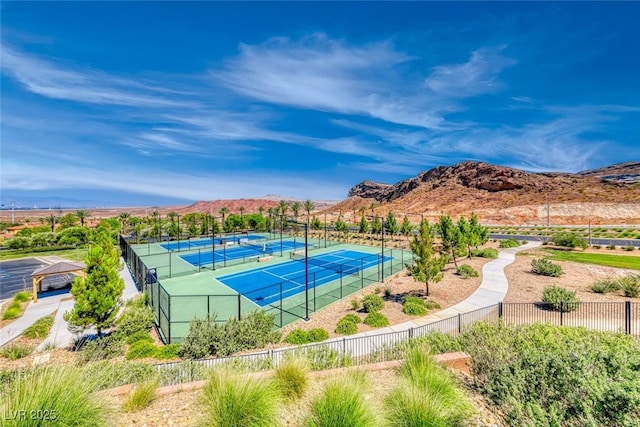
[(545, 267), (13, 311), (16, 351), (341, 403), (428, 396), (237, 401), (466, 271), (291, 377), (141, 396), (40, 329), (140, 350), (22, 296), (569, 240), (322, 358), (414, 306), (169, 351), (439, 343), (556, 376), (64, 393), (611, 246), (629, 248), (135, 318), (372, 303), (355, 304), (490, 253), (297, 336), (604, 286), (352, 318), (376, 320), (346, 327), (597, 246), (138, 336), (509, 243), (318, 334), (99, 349), (630, 285), (560, 299), (206, 337), (431, 304)]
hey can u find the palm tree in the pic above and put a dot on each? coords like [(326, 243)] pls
[(295, 207), (241, 209), (82, 214), (282, 208), (372, 206), (270, 212), (124, 218), (309, 206), (52, 220), (223, 211)]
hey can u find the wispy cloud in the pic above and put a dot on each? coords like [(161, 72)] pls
[(48, 79)]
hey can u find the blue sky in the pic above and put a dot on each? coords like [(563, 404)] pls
[(158, 103)]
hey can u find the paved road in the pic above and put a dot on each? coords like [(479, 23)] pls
[(594, 241)]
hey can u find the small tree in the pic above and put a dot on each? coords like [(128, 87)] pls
[(406, 226), (427, 263), (391, 225), (376, 226), (478, 235), (316, 224), (83, 214), (452, 239), (97, 295), (364, 225)]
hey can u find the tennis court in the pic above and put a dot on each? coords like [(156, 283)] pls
[(244, 250), (185, 245), (272, 284)]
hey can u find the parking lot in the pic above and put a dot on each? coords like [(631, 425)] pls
[(15, 276)]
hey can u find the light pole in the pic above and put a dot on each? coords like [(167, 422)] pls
[(178, 233), (306, 269), (325, 229)]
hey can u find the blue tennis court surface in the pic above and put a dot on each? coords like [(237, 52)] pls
[(185, 245), (267, 285), (241, 251)]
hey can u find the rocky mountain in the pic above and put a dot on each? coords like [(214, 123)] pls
[(501, 193)]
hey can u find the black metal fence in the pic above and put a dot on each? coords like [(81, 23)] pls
[(352, 351)]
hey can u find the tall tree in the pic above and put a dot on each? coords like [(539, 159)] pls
[(270, 212), (261, 210), (283, 207), (97, 295), (479, 234), (450, 236), (224, 211), (295, 207), (124, 219), (427, 262), (372, 206), (309, 206), (406, 226), (391, 225), (52, 220), (68, 220), (376, 225), (83, 214), (364, 225)]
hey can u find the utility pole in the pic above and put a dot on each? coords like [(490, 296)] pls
[(548, 210)]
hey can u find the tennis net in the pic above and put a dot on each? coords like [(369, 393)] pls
[(258, 247), (343, 268)]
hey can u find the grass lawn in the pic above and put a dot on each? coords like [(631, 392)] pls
[(617, 261), (73, 254)]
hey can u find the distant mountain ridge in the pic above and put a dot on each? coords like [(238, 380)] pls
[(483, 187)]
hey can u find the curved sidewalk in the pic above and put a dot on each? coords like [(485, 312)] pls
[(492, 290)]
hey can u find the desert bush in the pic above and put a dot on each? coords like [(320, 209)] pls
[(431, 304), (376, 320), (556, 376), (318, 334), (346, 327), (138, 336), (490, 253), (341, 403), (630, 285), (428, 395), (13, 310), (545, 267), (355, 304), (466, 271), (40, 329), (206, 337), (604, 286), (16, 351), (140, 350), (231, 400), (22, 296), (560, 299), (629, 248), (297, 336), (291, 377), (169, 351), (103, 348), (372, 303), (597, 246), (509, 243), (64, 393), (439, 343), (414, 306), (141, 396), (352, 318), (135, 318), (569, 240), (611, 246)]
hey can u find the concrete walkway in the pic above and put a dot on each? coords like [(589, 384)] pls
[(60, 336), (492, 290)]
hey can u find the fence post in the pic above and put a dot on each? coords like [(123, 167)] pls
[(459, 323), (281, 305), (627, 317), (562, 314), (410, 332), (169, 319), (344, 346), (500, 310), (239, 310)]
